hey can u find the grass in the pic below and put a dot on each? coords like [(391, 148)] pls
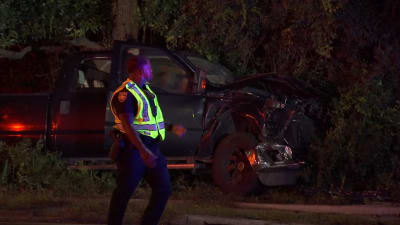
[(200, 198)]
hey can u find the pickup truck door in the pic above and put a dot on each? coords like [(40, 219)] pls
[(174, 83), (81, 108)]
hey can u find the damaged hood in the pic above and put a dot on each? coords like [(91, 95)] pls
[(260, 84)]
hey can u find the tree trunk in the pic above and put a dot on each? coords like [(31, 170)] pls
[(125, 25)]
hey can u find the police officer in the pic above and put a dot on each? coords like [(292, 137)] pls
[(139, 124)]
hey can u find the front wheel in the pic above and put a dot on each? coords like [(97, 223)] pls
[(231, 169)]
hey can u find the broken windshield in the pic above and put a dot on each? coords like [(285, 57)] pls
[(216, 74)]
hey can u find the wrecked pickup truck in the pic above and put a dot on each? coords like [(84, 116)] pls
[(248, 132)]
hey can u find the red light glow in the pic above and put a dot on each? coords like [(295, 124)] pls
[(17, 127), (53, 126), (203, 84)]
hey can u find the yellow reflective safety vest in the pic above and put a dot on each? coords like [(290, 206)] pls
[(144, 122)]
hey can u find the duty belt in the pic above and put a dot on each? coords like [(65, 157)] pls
[(151, 127)]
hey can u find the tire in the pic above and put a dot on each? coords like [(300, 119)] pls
[(231, 170)]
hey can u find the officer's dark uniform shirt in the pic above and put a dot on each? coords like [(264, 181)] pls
[(124, 102)]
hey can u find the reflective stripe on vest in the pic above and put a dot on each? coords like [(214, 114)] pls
[(151, 127), (145, 103)]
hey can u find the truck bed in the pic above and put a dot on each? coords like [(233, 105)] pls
[(24, 116)]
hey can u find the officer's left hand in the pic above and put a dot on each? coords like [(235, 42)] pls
[(178, 130)]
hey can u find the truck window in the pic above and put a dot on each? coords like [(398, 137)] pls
[(169, 76), (93, 73)]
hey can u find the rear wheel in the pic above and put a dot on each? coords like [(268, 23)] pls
[(232, 171)]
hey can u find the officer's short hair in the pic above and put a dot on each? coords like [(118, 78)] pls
[(136, 62)]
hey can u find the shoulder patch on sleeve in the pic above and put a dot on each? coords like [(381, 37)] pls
[(122, 96)]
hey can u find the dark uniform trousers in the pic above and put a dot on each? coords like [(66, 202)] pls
[(131, 170)]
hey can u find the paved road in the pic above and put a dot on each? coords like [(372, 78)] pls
[(391, 210), (186, 220)]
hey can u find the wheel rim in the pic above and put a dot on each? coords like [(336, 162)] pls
[(238, 167)]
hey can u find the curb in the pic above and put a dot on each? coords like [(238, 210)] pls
[(374, 210)]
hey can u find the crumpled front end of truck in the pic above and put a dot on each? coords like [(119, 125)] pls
[(274, 164)]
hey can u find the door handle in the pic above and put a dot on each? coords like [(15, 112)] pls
[(65, 107)]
